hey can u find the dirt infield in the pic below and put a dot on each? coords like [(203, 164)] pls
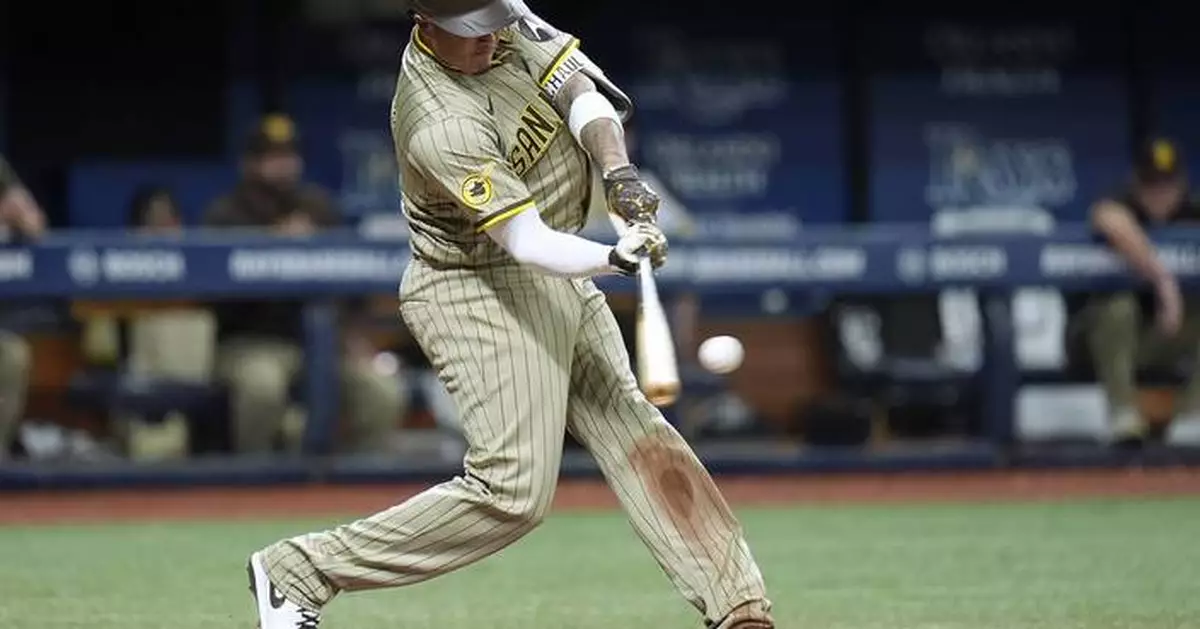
[(320, 501)]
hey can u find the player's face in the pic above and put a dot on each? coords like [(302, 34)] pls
[(161, 216), (281, 168), (469, 55), (1162, 198)]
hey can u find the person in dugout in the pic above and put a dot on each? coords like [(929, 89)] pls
[(259, 349), (20, 219), (1157, 325)]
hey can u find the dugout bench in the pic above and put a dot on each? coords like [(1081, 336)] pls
[(873, 260)]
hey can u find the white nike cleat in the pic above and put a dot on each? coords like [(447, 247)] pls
[(274, 611)]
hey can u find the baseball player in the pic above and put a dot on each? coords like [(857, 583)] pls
[(498, 122)]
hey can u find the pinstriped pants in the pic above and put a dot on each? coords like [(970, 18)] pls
[(527, 357)]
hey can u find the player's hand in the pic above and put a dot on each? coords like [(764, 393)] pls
[(641, 240), (297, 224), (1170, 306), (19, 211), (629, 197)]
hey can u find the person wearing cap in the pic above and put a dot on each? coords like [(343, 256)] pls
[(1132, 329), (260, 347), (500, 123), (21, 218)]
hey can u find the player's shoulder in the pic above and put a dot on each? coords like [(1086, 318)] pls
[(423, 83), (309, 192), (1120, 196), (426, 97), (542, 45), (429, 139)]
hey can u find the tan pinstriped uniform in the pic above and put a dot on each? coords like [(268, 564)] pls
[(525, 356)]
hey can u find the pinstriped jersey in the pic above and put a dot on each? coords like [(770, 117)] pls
[(474, 150)]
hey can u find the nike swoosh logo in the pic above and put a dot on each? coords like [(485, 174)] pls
[(277, 600)]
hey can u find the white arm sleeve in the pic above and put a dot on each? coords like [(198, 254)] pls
[(533, 243)]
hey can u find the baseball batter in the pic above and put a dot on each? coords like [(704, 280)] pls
[(499, 122)]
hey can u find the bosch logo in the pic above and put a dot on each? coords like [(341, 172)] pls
[(911, 265), (84, 266)]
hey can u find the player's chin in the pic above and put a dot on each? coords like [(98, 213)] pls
[(479, 64)]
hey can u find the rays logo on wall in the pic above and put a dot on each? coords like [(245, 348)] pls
[(966, 168)]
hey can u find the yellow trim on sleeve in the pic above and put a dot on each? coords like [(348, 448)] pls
[(558, 61), (496, 218)]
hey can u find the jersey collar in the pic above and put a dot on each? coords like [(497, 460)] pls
[(503, 52)]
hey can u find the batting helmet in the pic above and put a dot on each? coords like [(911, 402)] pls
[(446, 8), (470, 18)]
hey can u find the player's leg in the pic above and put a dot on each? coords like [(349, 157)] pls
[(1184, 429), (258, 373), (14, 378), (1113, 338), (502, 345), (673, 503), (373, 405)]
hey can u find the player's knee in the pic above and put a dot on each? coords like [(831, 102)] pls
[(263, 381), (524, 504), (368, 388), (1118, 314), (375, 405), (15, 357), (527, 516)]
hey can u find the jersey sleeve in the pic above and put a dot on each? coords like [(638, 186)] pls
[(554, 58), (463, 158), (552, 55)]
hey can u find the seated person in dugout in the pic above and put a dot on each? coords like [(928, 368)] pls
[(260, 342), (1154, 325)]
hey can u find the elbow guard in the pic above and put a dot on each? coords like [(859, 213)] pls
[(591, 106), (623, 103)]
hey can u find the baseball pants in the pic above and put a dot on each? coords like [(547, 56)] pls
[(259, 372), (15, 360), (526, 358), (1122, 338)]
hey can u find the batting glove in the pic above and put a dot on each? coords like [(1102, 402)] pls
[(641, 240), (629, 197)]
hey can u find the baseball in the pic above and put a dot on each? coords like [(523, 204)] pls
[(721, 354)]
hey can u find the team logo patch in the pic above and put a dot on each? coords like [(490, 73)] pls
[(536, 29), (476, 190)]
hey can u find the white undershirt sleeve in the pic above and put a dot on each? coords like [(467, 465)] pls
[(532, 242)]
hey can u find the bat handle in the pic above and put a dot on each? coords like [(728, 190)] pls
[(646, 278)]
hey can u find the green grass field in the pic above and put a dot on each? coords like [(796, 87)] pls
[(1093, 565)]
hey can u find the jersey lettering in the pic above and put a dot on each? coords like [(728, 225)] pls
[(535, 131), (568, 64)]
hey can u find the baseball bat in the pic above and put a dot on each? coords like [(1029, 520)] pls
[(658, 371)]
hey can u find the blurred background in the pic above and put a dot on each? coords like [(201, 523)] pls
[(760, 122)]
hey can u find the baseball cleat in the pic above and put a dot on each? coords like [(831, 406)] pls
[(275, 611), (1128, 429), (752, 615), (1184, 432)]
